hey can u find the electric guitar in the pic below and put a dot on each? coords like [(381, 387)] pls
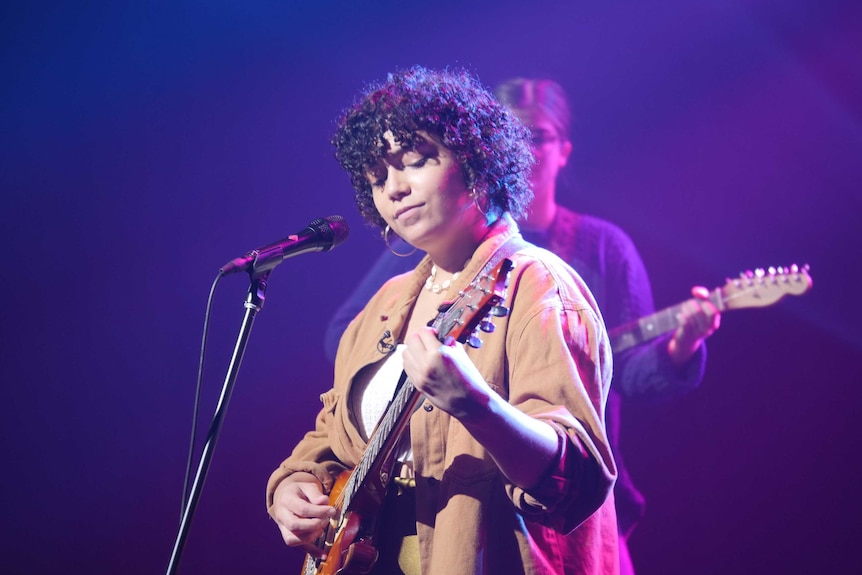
[(358, 495), (751, 289)]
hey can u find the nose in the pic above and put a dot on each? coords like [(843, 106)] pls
[(397, 185)]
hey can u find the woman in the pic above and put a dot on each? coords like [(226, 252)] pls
[(509, 465)]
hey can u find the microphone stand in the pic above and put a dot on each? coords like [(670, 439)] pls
[(253, 304)]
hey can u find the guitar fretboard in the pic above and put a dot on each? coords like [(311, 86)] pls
[(752, 289), (378, 454), (384, 438), (652, 326)]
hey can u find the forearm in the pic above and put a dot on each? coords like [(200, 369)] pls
[(647, 373), (523, 447), (312, 455)]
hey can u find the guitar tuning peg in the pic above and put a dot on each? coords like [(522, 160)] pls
[(487, 325), (474, 342), (774, 274), (499, 311)]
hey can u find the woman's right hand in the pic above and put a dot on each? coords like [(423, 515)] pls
[(302, 510)]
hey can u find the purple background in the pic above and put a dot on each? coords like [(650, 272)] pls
[(142, 145)]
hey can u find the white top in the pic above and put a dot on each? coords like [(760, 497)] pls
[(371, 397)]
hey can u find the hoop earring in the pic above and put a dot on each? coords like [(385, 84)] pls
[(475, 195), (386, 241)]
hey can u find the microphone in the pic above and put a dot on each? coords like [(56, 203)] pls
[(384, 346), (321, 235)]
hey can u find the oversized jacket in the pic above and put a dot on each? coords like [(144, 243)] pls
[(550, 357)]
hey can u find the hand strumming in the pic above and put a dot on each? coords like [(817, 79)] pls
[(301, 510)]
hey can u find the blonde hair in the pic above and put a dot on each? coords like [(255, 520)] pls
[(538, 94)]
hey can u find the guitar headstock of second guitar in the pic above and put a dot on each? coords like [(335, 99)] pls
[(763, 287)]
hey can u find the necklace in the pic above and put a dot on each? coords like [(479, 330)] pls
[(435, 287)]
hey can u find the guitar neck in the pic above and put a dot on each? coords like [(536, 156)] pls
[(458, 320), (752, 289), (370, 477), (652, 326)]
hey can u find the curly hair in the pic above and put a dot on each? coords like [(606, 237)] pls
[(486, 139)]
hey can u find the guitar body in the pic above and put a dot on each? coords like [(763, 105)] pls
[(350, 546)]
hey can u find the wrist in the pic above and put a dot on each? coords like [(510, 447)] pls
[(680, 354), (473, 408)]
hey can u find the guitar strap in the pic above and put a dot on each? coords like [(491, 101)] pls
[(511, 246)]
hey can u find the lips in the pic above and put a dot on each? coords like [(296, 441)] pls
[(403, 211)]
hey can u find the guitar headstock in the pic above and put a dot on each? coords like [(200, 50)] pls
[(482, 298), (761, 287)]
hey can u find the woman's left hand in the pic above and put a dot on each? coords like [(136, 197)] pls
[(445, 374)]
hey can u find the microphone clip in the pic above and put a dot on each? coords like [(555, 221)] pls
[(384, 346)]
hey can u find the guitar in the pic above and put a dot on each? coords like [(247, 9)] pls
[(358, 495), (751, 289)]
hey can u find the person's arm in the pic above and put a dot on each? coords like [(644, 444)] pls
[(667, 366), (386, 265), (295, 492), (541, 416), (523, 447)]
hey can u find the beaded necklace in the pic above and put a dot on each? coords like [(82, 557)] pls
[(438, 288)]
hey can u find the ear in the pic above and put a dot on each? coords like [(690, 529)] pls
[(565, 151)]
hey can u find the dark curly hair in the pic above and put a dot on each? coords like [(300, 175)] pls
[(487, 140)]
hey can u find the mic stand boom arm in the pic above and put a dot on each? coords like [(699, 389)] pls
[(253, 304)]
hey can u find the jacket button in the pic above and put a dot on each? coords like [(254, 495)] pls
[(427, 406)]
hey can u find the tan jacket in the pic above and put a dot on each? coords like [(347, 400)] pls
[(551, 358)]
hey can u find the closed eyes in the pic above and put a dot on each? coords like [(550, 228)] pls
[(378, 177)]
